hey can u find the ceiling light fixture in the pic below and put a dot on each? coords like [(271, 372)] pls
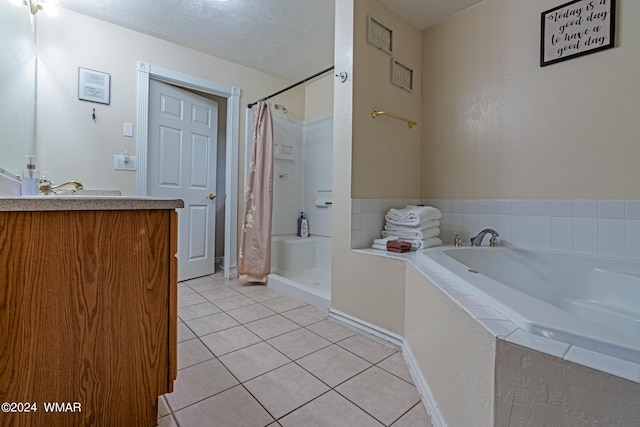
[(47, 6)]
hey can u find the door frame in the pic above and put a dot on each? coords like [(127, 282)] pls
[(147, 71)]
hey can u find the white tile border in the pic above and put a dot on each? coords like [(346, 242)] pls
[(544, 345), (609, 228), (611, 365)]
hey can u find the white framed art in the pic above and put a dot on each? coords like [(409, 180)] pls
[(93, 86)]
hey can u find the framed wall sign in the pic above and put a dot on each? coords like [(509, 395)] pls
[(379, 35), (93, 86), (576, 28), (401, 75)]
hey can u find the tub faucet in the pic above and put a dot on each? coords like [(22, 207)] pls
[(477, 240)]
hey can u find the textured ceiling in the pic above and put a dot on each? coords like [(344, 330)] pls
[(425, 13), (291, 39)]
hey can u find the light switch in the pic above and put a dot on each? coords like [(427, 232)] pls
[(127, 129)]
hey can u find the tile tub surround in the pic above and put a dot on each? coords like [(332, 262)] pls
[(250, 356), (367, 218), (609, 228)]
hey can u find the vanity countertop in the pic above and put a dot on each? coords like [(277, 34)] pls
[(85, 203)]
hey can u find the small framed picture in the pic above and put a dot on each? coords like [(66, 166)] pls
[(93, 86), (401, 75), (380, 35)]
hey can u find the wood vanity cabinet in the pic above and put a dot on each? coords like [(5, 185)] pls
[(88, 315)]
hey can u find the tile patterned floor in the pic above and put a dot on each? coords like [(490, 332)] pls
[(249, 356)]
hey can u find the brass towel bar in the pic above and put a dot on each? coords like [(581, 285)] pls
[(376, 113)]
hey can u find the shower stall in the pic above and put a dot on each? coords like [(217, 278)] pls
[(302, 182)]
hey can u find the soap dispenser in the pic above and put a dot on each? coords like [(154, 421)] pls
[(30, 177)]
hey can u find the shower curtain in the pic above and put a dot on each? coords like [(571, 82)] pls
[(254, 256)]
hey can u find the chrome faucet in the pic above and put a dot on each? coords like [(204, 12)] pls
[(45, 186), (477, 240)]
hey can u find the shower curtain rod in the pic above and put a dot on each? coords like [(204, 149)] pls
[(292, 86)]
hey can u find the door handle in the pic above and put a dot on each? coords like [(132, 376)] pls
[(211, 196)]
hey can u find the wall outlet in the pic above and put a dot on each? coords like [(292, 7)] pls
[(120, 163)]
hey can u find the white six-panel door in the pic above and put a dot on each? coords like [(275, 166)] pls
[(182, 165)]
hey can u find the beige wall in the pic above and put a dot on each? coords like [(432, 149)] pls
[(318, 97), (341, 255), (497, 125), (386, 153), (373, 290), (454, 352), (70, 145), (369, 287)]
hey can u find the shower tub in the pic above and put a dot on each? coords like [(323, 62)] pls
[(582, 301), (301, 267)]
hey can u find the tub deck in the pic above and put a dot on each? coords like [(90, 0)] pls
[(558, 296)]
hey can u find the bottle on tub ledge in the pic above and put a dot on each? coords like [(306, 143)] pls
[(303, 226)]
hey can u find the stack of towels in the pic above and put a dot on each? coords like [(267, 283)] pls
[(417, 225)]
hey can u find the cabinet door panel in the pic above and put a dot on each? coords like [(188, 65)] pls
[(84, 314)]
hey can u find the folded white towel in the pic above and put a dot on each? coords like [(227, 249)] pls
[(426, 243), (384, 241), (423, 226), (412, 215), (412, 234), (380, 247)]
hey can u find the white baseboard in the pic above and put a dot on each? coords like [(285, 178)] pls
[(232, 273), (423, 388), (370, 329)]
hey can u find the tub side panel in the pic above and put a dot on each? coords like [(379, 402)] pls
[(371, 289), (454, 353), (533, 388)]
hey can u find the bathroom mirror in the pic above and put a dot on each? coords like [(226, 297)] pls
[(17, 86)]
